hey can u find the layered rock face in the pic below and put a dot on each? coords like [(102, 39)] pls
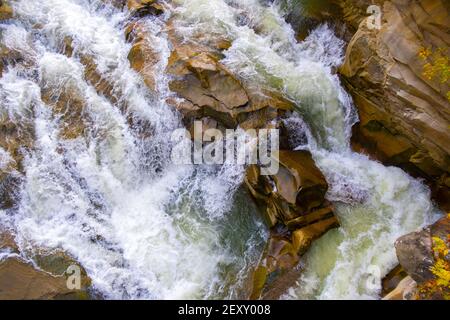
[(401, 96), (294, 206)]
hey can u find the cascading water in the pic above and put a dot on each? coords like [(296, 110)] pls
[(144, 228), (375, 204), (140, 226)]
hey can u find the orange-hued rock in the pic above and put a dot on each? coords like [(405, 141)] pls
[(70, 105), (297, 189), (212, 90), (144, 7), (143, 60), (405, 290), (21, 281), (293, 204), (6, 11)]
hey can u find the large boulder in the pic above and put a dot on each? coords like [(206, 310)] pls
[(425, 256), (415, 254)]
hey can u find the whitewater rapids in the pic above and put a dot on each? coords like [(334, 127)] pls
[(144, 228)]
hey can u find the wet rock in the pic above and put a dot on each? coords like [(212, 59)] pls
[(406, 290), (145, 7), (120, 4), (279, 257), (405, 114), (7, 241), (424, 255), (143, 58), (302, 238), (20, 280), (392, 280), (16, 138), (415, 254), (212, 90), (69, 105), (102, 85), (6, 11), (294, 206), (48, 279), (296, 190)]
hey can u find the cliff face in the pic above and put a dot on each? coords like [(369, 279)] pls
[(398, 77)]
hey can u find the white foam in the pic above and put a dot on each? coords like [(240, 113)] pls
[(375, 204), (111, 198)]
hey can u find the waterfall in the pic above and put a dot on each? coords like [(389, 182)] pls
[(140, 226), (145, 228), (374, 204)]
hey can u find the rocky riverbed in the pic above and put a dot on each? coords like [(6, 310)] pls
[(86, 180)]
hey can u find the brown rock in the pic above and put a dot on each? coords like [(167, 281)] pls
[(406, 290), (302, 238), (70, 105), (7, 241), (392, 279), (143, 60), (294, 206), (19, 280), (6, 11), (93, 76), (145, 7), (405, 116), (415, 255), (415, 250), (297, 189), (213, 91), (424, 256)]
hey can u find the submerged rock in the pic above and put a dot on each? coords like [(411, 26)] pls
[(142, 56)]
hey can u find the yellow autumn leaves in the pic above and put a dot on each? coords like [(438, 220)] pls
[(437, 66)]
